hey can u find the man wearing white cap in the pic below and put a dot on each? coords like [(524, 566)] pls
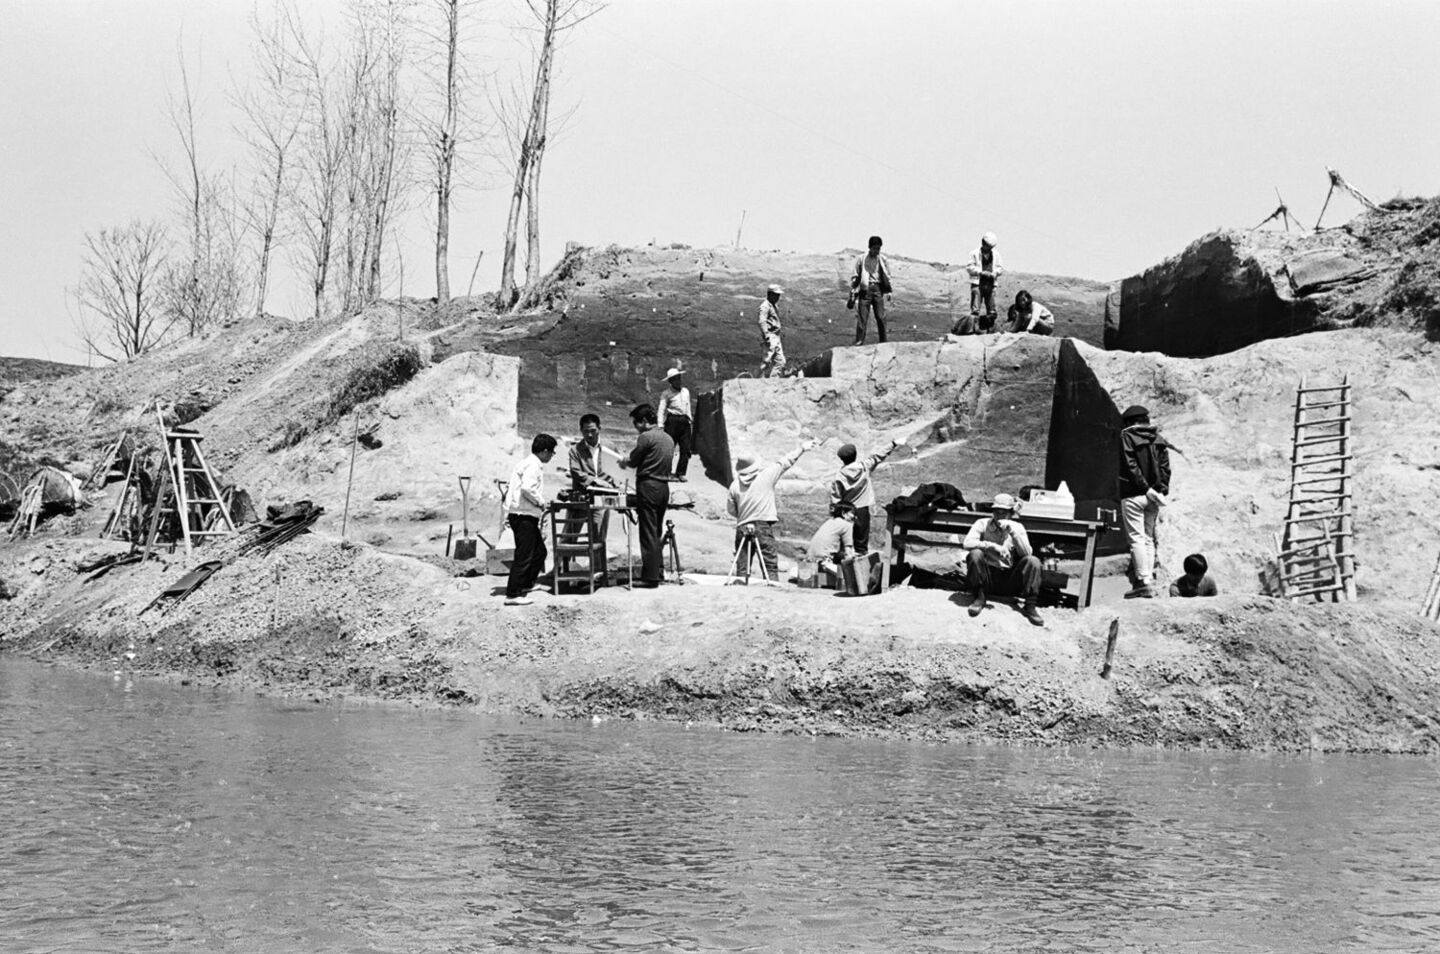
[(984, 269), (674, 413), (999, 560), (770, 332)]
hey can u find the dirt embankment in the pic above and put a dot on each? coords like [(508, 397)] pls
[(324, 619)]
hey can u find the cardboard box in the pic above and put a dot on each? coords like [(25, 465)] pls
[(1048, 504)]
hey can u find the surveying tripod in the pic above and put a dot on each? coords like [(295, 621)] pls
[(747, 552), (671, 552)]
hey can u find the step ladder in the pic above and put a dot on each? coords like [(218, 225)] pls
[(190, 487), (575, 536), (1317, 548)]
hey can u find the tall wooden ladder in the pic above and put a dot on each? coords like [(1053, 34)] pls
[(1317, 556), (193, 484)]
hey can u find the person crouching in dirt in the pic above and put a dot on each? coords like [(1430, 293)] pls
[(751, 502), (1029, 316), (871, 288), (774, 360), (651, 460), (835, 540), (853, 486), (526, 505), (999, 560), (1196, 581), (674, 417), (1144, 484)]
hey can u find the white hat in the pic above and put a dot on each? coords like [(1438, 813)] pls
[(775, 290), (673, 373), (1003, 502), (989, 239)]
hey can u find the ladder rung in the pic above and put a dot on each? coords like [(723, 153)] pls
[(1328, 573), (1329, 421), (1315, 592), (1313, 517), (1335, 475), (1337, 387), (1316, 407), (1322, 440), (1327, 459), (1301, 501)]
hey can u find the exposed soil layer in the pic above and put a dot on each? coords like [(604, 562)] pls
[(323, 619)]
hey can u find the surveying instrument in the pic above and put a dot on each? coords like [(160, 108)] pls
[(747, 552)]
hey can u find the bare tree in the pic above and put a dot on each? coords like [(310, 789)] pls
[(553, 17), (272, 107), (208, 285), (121, 313), (323, 146)]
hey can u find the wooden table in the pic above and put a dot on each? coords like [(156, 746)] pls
[(1040, 530)]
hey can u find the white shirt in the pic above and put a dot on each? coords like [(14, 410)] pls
[(527, 488), (674, 402)]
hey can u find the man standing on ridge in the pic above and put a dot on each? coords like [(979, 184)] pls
[(852, 486), (675, 418), (526, 505), (774, 361), (752, 502), (870, 283), (1144, 484), (984, 268), (651, 460)]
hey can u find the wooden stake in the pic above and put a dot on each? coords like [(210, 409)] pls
[(1110, 647), (354, 440)]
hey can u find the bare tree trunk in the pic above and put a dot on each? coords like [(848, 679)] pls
[(537, 157), (445, 154)]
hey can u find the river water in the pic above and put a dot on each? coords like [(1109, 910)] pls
[(148, 817)]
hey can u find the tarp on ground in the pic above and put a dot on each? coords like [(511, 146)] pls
[(57, 488)]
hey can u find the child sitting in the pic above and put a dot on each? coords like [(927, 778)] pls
[(1195, 582)]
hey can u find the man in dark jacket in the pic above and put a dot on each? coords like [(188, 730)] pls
[(651, 460), (1144, 484)]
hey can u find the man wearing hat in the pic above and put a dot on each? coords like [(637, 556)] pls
[(774, 361), (853, 486), (1144, 484), (870, 283), (984, 268), (751, 502), (999, 560), (674, 416)]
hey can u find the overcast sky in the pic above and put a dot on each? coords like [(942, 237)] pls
[(1096, 138)]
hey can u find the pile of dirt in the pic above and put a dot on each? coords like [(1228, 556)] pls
[(1233, 288), (325, 619)]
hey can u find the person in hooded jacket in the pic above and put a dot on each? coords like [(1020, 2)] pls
[(853, 486), (1144, 484), (752, 502)]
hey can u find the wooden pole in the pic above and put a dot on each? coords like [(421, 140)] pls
[(1110, 647), (354, 440)]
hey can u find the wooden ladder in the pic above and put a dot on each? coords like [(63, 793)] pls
[(194, 487), (1317, 548)]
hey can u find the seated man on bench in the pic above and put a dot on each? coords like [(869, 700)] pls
[(999, 560), (834, 542)]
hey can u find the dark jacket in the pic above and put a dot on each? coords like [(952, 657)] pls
[(1144, 461)]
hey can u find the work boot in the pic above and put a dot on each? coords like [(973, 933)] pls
[(1032, 614), (977, 605), (1141, 592)]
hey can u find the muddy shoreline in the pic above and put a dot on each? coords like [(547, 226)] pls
[(324, 620)]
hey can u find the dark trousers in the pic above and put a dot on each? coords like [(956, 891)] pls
[(765, 539), (984, 294), (1022, 579), (864, 304), (679, 430), (862, 529), (529, 554), (654, 497)]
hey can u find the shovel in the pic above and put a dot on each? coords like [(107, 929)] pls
[(465, 546)]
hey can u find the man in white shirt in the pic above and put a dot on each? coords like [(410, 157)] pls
[(984, 268), (526, 505), (999, 560), (674, 413), (1028, 315), (870, 282)]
